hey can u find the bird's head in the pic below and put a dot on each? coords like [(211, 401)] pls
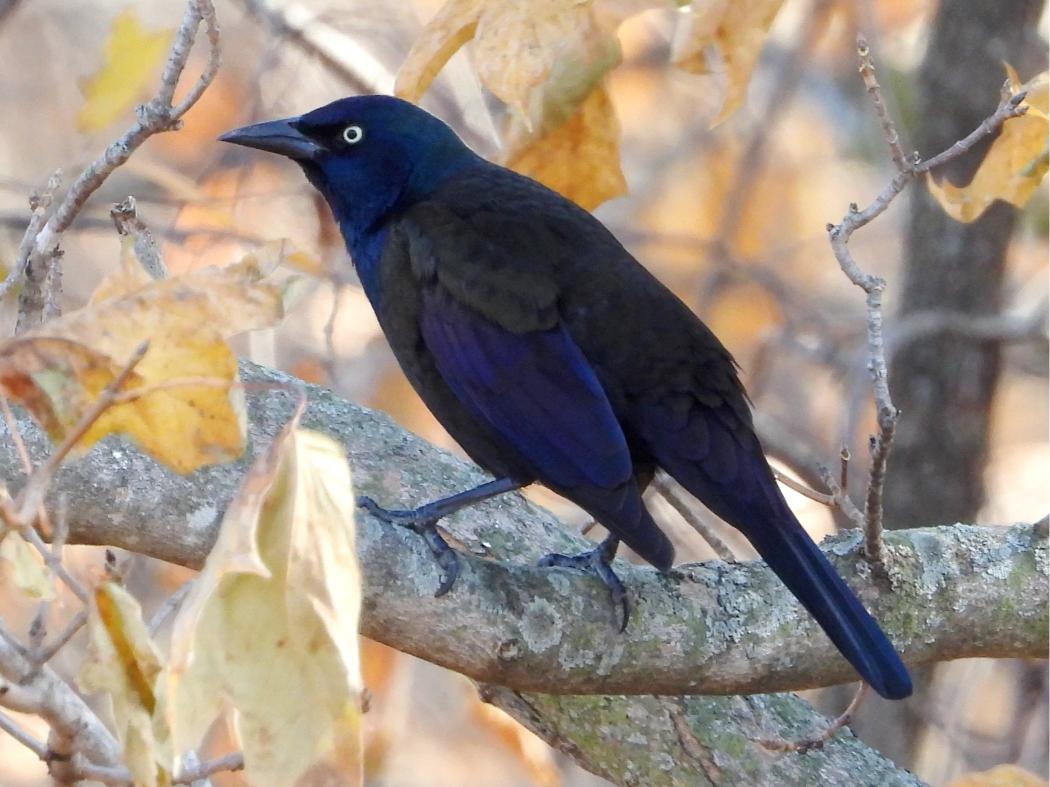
[(365, 154)]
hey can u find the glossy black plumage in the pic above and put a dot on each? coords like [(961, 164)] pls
[(549, 353)]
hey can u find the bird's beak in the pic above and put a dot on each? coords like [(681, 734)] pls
[(275, 136)]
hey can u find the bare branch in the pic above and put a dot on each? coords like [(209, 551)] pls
[(39, 690), (155, 117), (147, 252), (668, 489), (802, 489), (39, 204), (703, 628), (840, 497), (873, 286), (819, 740), (341, 54), (44, 654), (871, 84), (8, 725)]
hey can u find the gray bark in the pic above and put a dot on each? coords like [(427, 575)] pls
[(715, 627)]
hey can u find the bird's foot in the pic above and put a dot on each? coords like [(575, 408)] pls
[(596, 561), (421, 520)]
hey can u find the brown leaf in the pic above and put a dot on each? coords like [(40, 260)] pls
[(580, 158), (1015, 164), (58, 371), (738, 31)]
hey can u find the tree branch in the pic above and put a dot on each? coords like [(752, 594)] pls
[(713, 627), (839, 235)]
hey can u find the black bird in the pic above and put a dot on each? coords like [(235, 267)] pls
[(550, 354)]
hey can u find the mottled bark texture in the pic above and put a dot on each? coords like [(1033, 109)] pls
[(711, 627)]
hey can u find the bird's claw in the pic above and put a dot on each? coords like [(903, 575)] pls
[(411, 518), (595, 561), (414, 520)]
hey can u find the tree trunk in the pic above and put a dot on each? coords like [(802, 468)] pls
[(944, 386)]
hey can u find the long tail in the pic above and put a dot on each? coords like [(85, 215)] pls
[(800, 564)]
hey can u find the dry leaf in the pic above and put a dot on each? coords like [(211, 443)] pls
[(738, 31), (132, 56), (270, 626), (580, 158), (532, 55), (451, 27), (59, 370), (1000, 776), (24, 567), (548, 60), (123, 662), (1015, 164)]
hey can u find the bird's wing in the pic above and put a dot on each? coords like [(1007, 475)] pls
[(491, 325), (493, 330)]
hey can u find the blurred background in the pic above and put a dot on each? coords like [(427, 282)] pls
[(731, 217)]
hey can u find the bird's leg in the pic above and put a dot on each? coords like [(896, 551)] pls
[(423, 520), (597, 561)]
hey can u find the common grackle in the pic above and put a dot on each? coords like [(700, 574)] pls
[(550, 354)]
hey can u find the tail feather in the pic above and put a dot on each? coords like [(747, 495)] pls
[(800, 564)]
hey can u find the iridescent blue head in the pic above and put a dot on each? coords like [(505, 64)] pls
[(368, 155)]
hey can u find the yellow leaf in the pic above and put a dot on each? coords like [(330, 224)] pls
[(24, 567), (452, 26), (270, 625), (1000, 776), (123, 662), (1015, 164), (518, 48), (519, 45), (580, 158), (738, 31), (59, 370), (132, 55)]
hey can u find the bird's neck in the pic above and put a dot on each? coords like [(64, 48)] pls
[(364, 219)]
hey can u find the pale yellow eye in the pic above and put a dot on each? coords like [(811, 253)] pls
[(353, 134)]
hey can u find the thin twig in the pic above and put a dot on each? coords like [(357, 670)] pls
[(665, 487), (124, 397), (44, 654), (840, 497), (171, 603), (119, 775), (39, 203), (1010, 106), (802, 489), (126, 219), (32, 495), (228, 762), (826, 734), (8, 725), (889, 128), (31, 498), (154, 117), (873, 286)]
